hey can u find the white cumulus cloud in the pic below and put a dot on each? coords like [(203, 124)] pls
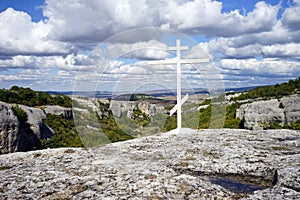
[(19, 35)]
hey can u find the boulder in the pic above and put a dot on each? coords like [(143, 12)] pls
[(258, 113), (291, 107)]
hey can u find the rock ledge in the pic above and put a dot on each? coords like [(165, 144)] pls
[(182, 165)]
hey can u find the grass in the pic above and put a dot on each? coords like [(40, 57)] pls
[(69, 151), (189, 158), (4, 168), (280, 148), (38, 154), (150, 176), (182, 164)]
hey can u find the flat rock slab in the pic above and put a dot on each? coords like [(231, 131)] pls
[(191, 164)]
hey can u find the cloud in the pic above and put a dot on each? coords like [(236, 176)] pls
[(55, 45), (205, 17), (251, 72), (139, 50), (94, 21), (291, 17), (90, 21), (291, 50), (263, 68), (20, 36)]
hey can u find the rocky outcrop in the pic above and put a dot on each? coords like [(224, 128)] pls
[(191, 164), (22, 136), (291, 108), (58, 110), (126, 108), (256, 114), (36, 117), (9, 129)]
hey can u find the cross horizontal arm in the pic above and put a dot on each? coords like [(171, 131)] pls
[(196, 60), (181, 48), (165, 62), (172, 62)]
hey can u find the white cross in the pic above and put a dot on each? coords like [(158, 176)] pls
[(178, 61)]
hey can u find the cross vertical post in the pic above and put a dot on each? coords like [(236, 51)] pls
[(178, 84), (178, 61)]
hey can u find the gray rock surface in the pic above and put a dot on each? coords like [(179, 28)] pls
[(258, 113), (58, 110), (9, 129), (291, 108), (126, 107), (182, 165), (18, 136), (36, 117)]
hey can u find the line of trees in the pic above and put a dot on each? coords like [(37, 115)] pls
[(28, 97), (277, 91)]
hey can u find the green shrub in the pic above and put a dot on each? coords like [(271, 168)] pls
[(28, 97), (65, 133), (277, 91), (141, 118), (231, 121), (109, 125), (20, 113), (170, 124)]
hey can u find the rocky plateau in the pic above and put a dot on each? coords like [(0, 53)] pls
[(189, 164)]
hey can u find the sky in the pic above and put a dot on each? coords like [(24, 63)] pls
[(91, 45)]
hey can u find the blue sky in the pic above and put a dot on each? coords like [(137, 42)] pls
[(32, 7), (46, 45)]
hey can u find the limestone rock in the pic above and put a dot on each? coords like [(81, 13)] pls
[(58, 110), (36, 117), (9, 129), (127, 107), (258, 113), (291, 106), (22, 136), (190, 164)]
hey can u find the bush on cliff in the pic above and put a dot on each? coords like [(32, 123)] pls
[(65, 133), (20, 113), (109, 126), (28, 97), (277, 91)]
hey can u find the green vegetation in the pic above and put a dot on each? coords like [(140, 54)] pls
[(271, 125), (65, 133), (28, 97), (141, 118), (20, 113), (109, 125), (230, 120), (277, 91), (280, 148), (134, 97), (294, 125), (205, 115), (171, 123), (205, 102), (5, 168)]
